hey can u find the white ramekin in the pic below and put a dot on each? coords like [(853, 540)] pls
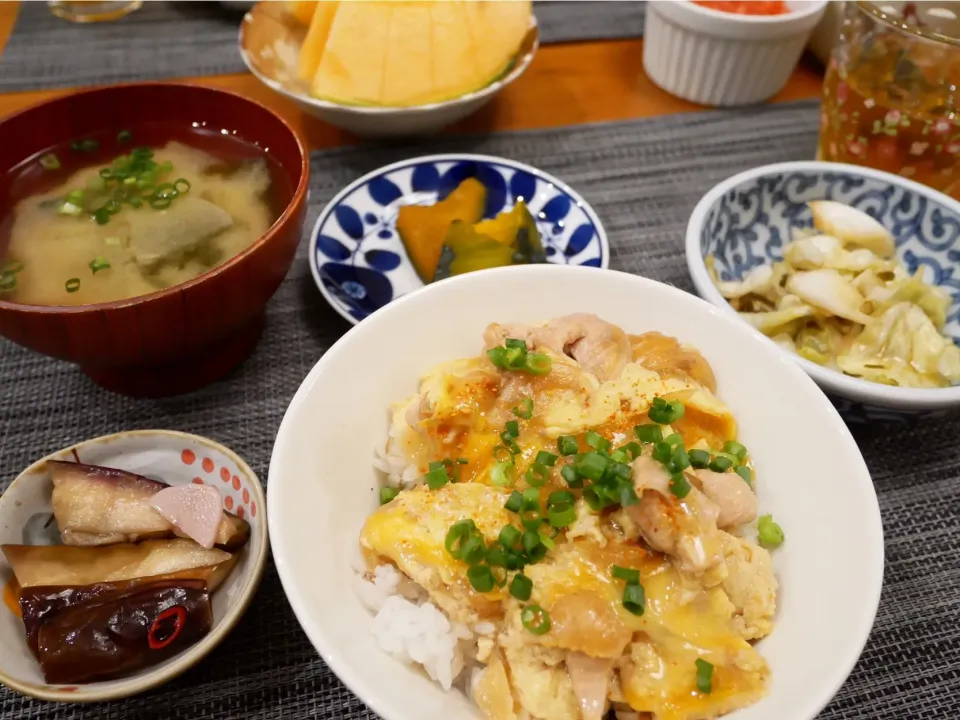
[(718, 58)]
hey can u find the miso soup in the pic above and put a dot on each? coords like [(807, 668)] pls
[(129, 212)]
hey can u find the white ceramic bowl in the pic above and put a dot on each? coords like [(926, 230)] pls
[(746, 219), (322, 485), (175, 458), (718, 58), (265, 24)]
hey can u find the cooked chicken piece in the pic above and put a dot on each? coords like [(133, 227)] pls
[(600, 348), (734, 498), (684, 529), (751, 586), (590, 678), (665, 355), (496, 334)]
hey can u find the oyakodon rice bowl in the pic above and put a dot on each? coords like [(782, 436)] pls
[(572, 526)]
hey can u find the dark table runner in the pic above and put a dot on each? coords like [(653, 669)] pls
[(165, 40), (643, 178)]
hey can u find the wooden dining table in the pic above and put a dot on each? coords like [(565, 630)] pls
[(566, 84)]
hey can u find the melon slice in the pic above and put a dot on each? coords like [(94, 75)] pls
[(453, 70), (301, 10), (407, 76), (497, 30), (351, 67), (316, 40), (397, 53)]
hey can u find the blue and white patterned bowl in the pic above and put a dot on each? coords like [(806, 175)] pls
[(359, 262), (745, 221)]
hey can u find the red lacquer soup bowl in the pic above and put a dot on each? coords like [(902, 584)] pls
[(177, 339)]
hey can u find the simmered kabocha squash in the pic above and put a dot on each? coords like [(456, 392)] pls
[(511, 238), (423, 228)]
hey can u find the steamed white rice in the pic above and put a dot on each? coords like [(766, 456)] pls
[(412, 629)]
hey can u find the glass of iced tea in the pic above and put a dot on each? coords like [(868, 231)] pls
[(91, 11), (891, 95)]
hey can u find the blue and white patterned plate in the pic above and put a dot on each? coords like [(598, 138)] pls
[(745, 221), (359, 262)]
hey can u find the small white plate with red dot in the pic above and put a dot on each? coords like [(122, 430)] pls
[(168, 456)]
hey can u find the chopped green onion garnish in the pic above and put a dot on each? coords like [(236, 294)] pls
[(734, 448), (567, 445), (597, 441), (570, 476), (520, 587), (533, 546), (546, 458), (496, 556), (648, 433), (535, 619), (98, 264), (633, 449), (537, 475), (76, 197), (457, 536), (634, 599), (769, 533), (591, 465), (509, 442), (744, 472), (663, 412), (509, 536), (628, 574), (673, 440), (473, 550), (502, 473), (89, 146), (704, 676), (679, 460), (481, 578), (102, 216), (513, 428), (561, 516), (514, 502), (181, 185), (699, 458), (679, 486), (72, 285), (721, 464), (662, 452), (525, 409), (436, 478), (538, 364), (387, 494), (124, 136), (8, 281), (514, 343), (12, 266), (50, 162)]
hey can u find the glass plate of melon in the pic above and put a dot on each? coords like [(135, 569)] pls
[(423, 220), (383, 69)]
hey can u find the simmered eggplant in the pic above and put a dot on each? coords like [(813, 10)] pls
[(101, 506), (39, 565), (96, 632)]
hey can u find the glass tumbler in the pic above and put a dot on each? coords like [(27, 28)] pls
[(891, 95)]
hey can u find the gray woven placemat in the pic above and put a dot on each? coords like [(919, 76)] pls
[(187, 39), (643, 178)]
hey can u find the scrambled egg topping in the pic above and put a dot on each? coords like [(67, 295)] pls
[(575, 637)]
